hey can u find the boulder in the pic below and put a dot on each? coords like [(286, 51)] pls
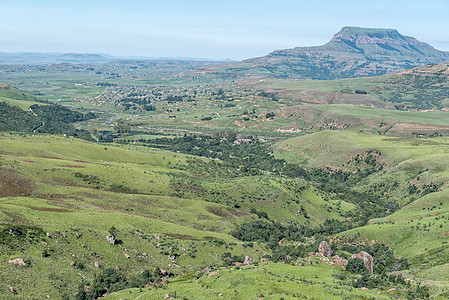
[(111, 239), (164, 280), (339, 261), (17, 261), (97, 265), (368, 260), (126, 255), (325, 249), (212, 274), (13, 290), (248, 260)]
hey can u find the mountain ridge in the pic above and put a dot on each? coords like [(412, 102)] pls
[(352, 52)]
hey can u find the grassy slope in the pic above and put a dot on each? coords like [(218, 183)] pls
[(270, 281), (16, 97), (418, 230), (76, 187)]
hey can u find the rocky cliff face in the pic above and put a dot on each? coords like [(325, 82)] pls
[(352, 52)]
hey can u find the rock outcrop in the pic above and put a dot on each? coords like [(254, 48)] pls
[(368, 260), (325, 249), (111, 239), (248, 260), (338, 261), (18, 262)]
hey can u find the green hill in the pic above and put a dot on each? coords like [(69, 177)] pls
[(167, 210), (414, 174), (20, 112)]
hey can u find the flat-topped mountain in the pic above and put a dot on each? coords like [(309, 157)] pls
[(352, 52)]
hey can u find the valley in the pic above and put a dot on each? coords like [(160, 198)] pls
[(145, 179)]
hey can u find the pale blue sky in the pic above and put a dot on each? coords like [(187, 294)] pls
[(208, 29)]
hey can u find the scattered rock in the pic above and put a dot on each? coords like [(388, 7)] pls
[(48, 234), (44, 244), (338, 261), (18, 262), (78, 235), (126, 255), (111, 239), (97, 265), (212, 274), (367, 259), (325, 249), (13, 290), (164, 280), (63, 234), (248, 260)]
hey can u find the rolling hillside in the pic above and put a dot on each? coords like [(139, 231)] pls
[(60, 198), (414, 173)]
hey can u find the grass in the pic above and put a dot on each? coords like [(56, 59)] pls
[(62, 184), (419, 117), (270, 281), (418, 230)]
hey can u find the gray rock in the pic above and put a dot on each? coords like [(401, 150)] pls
[(248, 260), (111, 239), (325, 249), (18, 262), (368, 260)]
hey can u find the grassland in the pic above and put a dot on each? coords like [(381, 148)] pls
[(158, 201), (179, 212), (418, 230), (268, 281)]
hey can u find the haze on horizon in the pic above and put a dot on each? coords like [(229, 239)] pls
[(206, 29)]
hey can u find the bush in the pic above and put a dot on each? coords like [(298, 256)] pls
[(356, 266)]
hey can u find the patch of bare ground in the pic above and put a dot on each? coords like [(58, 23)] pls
[(414, 129), (52, 209), (228, 213), (13, 183), (220, 212), (70, 166)]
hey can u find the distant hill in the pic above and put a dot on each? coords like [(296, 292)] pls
[(21, 112), (39, 58), (352, 52), (44, 58)]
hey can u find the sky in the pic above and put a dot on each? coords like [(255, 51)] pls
[(235, 29)]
